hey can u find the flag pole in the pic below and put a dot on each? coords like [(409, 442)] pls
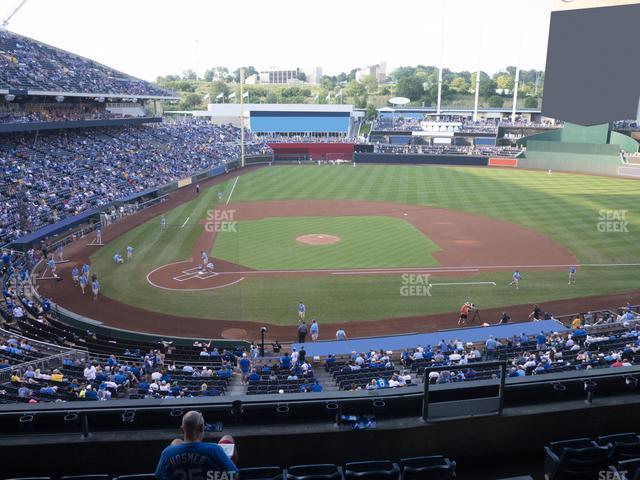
[(241, 117)]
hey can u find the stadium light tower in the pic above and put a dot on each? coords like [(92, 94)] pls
[(6, 21), (442, 15), (475, 102), (516, 83)]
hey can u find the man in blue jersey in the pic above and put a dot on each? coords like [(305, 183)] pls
[(95, 288), (52, 266), (302, 309), (191, 458), (515, 279), (572, 274)]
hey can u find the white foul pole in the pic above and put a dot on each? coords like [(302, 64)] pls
[(5, 22), (475, 103), (516, 84)]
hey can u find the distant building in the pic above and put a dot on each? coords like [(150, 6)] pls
[(377, 71), (252, 79), (314, 75), (275, 76)]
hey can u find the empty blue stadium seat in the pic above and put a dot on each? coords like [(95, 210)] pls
[(574, 459), (322, 471), (261, 473), (372, 470), (434, 467)]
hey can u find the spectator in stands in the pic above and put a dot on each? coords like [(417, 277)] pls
[(190, 456), (285, 361), (341, 334), (490, 347), (122, 160), (244, 364)]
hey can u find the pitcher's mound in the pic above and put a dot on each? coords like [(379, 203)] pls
[(317, 239)]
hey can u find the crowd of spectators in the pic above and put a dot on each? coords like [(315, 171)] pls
[(626, 125), (30, 65), (485, 150), (457, 124), (50, 176), (282, 138), (397, 122), (488, 127), (30, 114)]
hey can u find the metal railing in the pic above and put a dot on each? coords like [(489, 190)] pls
[(45, 363), (502, 364)]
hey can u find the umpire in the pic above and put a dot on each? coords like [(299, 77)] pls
[(302, 331)]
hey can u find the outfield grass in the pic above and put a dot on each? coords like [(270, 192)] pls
[(365, 242), (566, 207)]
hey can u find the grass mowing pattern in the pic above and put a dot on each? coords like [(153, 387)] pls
[(563, 206), (365, 242)]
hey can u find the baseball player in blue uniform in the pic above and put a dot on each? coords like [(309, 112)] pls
[(99, 236), (52, 266), (572, 274), (301, 311), (86, 269), (83, 282), (163, 222), (515, 279), (75, 275), (95, 288), (129, 252)]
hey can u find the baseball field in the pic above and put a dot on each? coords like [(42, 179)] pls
[(376, 242)]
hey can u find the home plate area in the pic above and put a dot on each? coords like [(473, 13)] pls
[(194, 273)]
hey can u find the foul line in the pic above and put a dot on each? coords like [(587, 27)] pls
[(232, 189), (466, 283), (185, 222), (383, 271)]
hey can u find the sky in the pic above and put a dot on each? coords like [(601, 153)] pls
[(147, 38)]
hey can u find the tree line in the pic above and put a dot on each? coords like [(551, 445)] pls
[(418, 83)]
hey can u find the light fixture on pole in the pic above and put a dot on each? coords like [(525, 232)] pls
[(263, 330)]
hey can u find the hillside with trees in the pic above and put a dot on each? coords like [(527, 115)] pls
[(419, 84)]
